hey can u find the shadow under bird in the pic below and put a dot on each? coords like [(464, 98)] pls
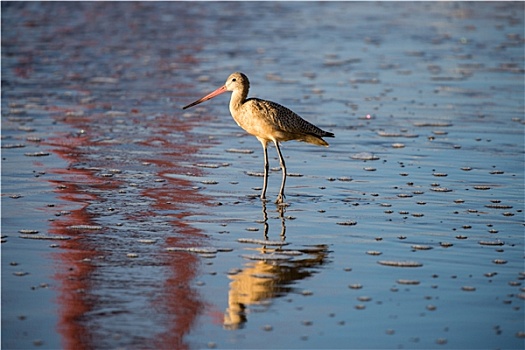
[(267, 121)]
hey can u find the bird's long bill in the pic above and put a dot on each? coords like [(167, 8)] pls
[(217, 92)]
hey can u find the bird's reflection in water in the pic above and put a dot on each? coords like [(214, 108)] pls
[(267, 276)]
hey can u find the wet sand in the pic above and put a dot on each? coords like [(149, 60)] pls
[(129, 223)]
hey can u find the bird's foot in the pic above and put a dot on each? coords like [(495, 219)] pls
[(280, 199)]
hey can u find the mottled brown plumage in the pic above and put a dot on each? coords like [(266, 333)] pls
[(267, 121)]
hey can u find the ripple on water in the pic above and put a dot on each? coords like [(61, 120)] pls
[(262, 242), (198, 250), (85, 227), (267, 257)]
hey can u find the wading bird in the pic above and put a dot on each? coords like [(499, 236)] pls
[(267, 121)]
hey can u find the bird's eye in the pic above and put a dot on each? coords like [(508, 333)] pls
[(234, 79)]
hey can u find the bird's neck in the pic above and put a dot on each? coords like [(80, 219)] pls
[(237, 99)]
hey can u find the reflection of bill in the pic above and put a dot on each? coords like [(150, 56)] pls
[(269, 274)]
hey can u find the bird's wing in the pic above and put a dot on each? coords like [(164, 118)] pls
[(285, 119)]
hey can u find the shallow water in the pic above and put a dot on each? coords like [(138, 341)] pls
[(407, 232)]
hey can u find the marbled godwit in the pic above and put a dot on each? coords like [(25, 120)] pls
[(267, 121)]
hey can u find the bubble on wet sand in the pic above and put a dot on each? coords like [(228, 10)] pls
[(209, 182), (440, 189), (482, 187), (364, 298), (45, 237), (28, 232), (468, 289), (499, 261), (20, 273), (344, 178), (441, 341), (396, 134), (13, 145), (355, 286), (347, 223), (498, 206), (373, 252), (421, 247), (267, 328), (432, 124), (399, 263), (254, 173), (492, 243), (398, 145), (147, 241), (36, 154), (364, 156), (408, 282), (241, 151), (26, 128)]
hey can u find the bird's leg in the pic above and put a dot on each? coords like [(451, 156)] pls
[(266, 168), (280, 197)]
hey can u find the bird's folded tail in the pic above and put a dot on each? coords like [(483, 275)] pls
[(317, 140)]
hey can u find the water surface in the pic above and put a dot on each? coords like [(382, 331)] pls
[(407, 232)]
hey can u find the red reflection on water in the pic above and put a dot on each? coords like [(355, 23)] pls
[(74, 269), (181, 301), (178, 302)]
